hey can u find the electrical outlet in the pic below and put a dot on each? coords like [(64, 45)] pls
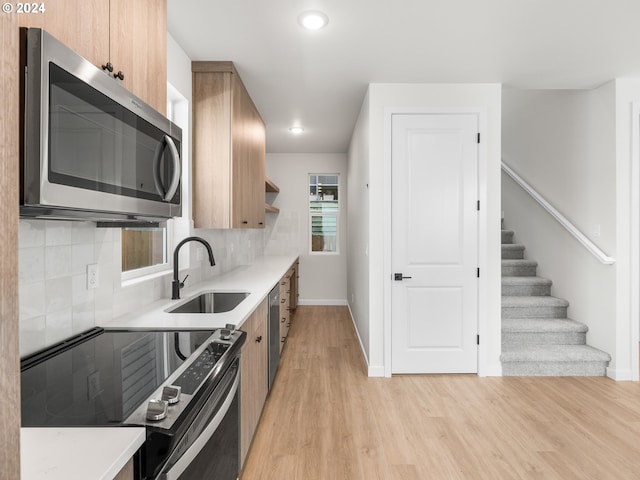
[(92, 276)]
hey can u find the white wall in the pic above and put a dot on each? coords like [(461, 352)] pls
[(486, 97), (562, 142), (358, 221), (54, 300), (323, 277)]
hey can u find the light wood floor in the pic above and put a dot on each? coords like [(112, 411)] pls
[(325, 420)]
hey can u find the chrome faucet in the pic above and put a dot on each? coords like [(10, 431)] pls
[(176, 285)]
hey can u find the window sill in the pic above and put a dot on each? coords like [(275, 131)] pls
[(128, 280)]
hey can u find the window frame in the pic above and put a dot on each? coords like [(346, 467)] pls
[(335, 214)]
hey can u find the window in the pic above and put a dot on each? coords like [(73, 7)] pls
[(324, 209), (143, 247)]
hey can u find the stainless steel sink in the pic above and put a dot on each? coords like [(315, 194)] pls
[(211, 302)]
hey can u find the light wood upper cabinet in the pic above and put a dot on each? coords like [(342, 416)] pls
[(228, 150), (132, 36), (139, 48)]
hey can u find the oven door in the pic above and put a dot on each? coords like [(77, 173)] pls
[(211, 446)]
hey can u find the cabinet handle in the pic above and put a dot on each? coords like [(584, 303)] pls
[(261, 223), (244, 222), (282, 341), (282, 301), (108, 66), (119, 75), (283, 283), (259, 339)]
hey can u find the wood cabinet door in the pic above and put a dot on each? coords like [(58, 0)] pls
[(81, 25), (253, 376), (138, 48), (248, 160), (130, 35)]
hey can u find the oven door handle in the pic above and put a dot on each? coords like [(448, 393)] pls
[(192, 452)]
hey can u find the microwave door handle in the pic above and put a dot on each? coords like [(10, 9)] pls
[(157, 178), (177, 169), (192, 452)]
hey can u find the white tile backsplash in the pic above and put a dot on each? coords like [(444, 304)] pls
[(53, 255), (31, 264), (57, 262), (59, 325), (57, 232)]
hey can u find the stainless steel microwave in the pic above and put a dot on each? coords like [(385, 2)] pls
[(90, 149)]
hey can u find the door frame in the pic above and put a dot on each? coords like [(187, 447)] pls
[(634, 254), (482, 225)]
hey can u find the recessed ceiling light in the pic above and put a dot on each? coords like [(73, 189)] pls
[(313, 20), (296, 130)]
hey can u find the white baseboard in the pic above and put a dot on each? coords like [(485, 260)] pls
[(323, 302), (619, 375), (355, 327), (372, 371), (494, 370), (376, 371)]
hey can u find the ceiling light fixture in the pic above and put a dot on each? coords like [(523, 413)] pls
[(296, 130), (313, 20)]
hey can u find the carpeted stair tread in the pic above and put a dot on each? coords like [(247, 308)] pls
[(507, 236), (542, 325), (519, 268), (512, 251), (508, 262), (552, 353), (533, 301), (522, 281)]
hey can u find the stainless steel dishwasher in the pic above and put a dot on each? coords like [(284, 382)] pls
[(274, 332)]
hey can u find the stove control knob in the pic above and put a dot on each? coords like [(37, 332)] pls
[(230, 326), (171, 394), (225, 334), (157, 410)]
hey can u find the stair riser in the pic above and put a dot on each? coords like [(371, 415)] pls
[(534, 312), (512, 254), (519, 271), (546, 338), (554, 369), (526, 290), (507, 237)]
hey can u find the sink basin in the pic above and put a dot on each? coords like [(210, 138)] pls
[(211, 302)]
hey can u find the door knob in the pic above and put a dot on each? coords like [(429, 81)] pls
[(398, 277)]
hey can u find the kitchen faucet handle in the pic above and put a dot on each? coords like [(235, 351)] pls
[(184, 280)]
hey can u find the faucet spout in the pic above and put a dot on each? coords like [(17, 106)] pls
[(175, 285)]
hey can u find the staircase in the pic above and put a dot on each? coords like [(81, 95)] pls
[(537, 337)]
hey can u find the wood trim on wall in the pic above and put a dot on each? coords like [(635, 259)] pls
[(9, 346)]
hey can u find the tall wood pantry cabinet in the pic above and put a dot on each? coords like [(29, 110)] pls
[(131, 36), (229, 149)]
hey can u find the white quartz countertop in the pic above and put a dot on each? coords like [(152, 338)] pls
[(77, 453), (100, 453), (256, 279)]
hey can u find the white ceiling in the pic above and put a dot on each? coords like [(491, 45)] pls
[(319, 79)]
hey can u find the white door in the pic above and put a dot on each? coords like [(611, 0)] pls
[(434, 243)]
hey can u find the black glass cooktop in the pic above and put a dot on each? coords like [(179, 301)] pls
[(102, 376)]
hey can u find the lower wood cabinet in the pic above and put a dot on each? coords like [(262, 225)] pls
[(253, 376), (288, 301), (126, 473)]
